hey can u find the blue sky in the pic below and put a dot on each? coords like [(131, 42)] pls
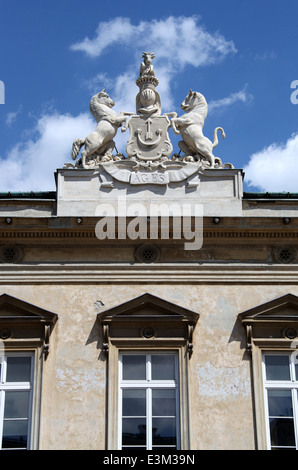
[(241, 55)]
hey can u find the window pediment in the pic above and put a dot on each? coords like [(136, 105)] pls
[(283, 308), (275, 322), (148, 304), (13, 307), (148, 319), (21, 321)]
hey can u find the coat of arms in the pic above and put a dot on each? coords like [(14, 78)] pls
[(149, 139), (149, 146)]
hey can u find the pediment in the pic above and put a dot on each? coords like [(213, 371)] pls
[(14, 309), (284, 308), (148, 306), (148, 320)]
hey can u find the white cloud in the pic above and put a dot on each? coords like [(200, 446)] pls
[(11, 117), (266, 56), (275, 168), (93, 83), (107, 33), (30, 165), (176, 42), (179, 41), (239, 96)]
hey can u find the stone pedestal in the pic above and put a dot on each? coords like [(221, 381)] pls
[(82, 192)]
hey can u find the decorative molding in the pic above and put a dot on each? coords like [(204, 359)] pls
[(153, 318), (5, 333), (47, 332), (190, 330), (290, 333), (178, 245), (10, 253), (219, 233), (16, 314), (148, 332), (147, 253), (164, 244), (272, 324), (105, 336), (285, 254), (170, 273), (249, 335)]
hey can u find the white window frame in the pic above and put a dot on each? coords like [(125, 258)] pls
[(148, 384), (16, 386), (147, 323), (26, 329), (291, 385), (270, 328)]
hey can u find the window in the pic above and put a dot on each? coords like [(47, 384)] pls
[(16, 372), (148, 342), (272, 337), (25, 331), (148, 401), (281, 386)]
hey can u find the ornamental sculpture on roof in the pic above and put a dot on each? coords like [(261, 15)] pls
[(190, 127), (149, 147)]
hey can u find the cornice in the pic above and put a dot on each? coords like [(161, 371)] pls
[(62, 234), (168, 273)]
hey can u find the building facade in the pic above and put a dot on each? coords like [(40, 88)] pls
[(148, 303)]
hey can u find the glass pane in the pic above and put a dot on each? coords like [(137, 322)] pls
[(164, 431), (282, 432), (18, 369), (134, 367), (16, 404), (280, 403), (163, 402), (134, 403), (134, 431), (14, 434), (277, 367), (163, 367)]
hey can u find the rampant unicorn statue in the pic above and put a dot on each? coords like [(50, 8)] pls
[(190, 126), (100, 143)]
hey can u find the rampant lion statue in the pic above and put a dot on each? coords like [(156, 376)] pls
[(100, 142), (190, 126)]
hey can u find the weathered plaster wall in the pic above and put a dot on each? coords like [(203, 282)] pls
[(74, 375)]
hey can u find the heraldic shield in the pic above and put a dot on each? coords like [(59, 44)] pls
[(149, 138)]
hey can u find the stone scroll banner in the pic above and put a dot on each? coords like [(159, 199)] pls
[(162, 176)]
